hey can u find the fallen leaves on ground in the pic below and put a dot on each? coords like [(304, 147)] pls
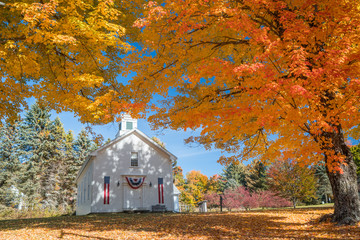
[(269, 224)]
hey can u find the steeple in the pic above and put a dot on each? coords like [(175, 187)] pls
[(127, 124)]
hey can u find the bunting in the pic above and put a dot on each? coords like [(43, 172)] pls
[(135, 182)]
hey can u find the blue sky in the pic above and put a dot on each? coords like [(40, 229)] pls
[(189, 157)]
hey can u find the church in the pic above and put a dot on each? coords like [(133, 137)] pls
[(130, 173)]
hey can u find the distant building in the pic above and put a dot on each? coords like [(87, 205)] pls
[(130, 173)]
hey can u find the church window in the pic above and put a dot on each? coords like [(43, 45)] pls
[(88, 187), (134, 159), (129, 125)]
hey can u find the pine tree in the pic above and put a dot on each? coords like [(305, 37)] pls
[(323, 190), (55, 164), (256, 178), (233, 176), (83, 145), (9, 166), (37, 182), (68, 172)]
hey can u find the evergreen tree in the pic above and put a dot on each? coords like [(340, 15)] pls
[(54, 165), (233, 176), (323, 190), (36, 153), (9, 166), (256, 177), (69, 172), (82, 146), (41, 161)]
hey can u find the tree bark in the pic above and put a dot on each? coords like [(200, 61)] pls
[(344, 185)]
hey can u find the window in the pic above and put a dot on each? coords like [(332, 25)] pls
[(84, 189), (134, 159), (88, 187), (81, 191), (129, 125)]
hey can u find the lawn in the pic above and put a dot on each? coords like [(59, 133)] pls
[(269, 224)]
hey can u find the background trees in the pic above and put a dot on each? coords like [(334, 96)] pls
[(256, 177), (234, 175), (9, 166), (39, 162), (282, 184), (292, 181)]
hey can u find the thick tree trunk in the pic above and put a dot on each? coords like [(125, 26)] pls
[(344, 185)]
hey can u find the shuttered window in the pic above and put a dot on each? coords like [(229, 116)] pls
[(134, 159)]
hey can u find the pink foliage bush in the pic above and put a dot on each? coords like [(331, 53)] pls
[(213, 199), (242, 198), (268, 199)]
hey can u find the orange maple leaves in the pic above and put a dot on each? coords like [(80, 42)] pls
[(275, 224), (260, 76)]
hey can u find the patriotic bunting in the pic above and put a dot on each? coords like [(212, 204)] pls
[(135, 182)]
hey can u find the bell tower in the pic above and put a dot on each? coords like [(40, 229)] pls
[(127, 124)]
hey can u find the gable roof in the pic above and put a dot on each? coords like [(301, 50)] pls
[(93, 154)]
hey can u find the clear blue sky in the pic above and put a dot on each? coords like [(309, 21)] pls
[(189, 157)]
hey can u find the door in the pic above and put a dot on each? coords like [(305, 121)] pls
[(133, 198)]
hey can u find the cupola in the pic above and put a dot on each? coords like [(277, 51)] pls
[(127, 124)]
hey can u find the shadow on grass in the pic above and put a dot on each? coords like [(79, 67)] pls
[(244, 225)]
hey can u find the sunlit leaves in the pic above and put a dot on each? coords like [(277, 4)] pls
[(67, 54), (259, 77), (276, 224)]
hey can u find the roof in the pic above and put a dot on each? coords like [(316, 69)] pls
[(93, 154), (176, 190)]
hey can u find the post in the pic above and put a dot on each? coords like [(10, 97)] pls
[(221, 202)]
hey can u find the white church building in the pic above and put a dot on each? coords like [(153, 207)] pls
[(130, 173)]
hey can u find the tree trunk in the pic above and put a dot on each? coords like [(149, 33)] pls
[(294, 202), (344, 185)]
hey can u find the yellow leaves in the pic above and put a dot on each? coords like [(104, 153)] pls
[(10, 45), (64, 39), (67, 52)]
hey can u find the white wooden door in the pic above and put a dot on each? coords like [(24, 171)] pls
[(133, 198)]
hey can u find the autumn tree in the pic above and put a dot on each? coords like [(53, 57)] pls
[(214, 184), (261, 78), (292, 181), (355, 150), (67, 54), (213, 199), (196, 185), (240, 197), (179, 182)]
